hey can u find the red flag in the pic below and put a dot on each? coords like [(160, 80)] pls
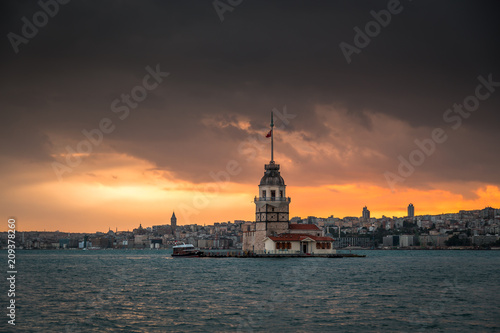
[(269, 134)]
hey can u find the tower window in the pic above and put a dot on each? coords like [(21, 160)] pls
[(281, 194), (273, 193), (264, 193)]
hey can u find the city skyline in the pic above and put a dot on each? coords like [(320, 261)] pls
[(167, 109), (293, 219)]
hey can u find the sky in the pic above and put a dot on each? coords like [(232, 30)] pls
[(118, 113)]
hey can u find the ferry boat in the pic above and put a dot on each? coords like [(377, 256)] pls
[(186, 250)]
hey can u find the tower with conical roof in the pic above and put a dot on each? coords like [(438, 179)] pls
[(271, 205), (173, 223)]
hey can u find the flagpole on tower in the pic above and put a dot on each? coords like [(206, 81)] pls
[(272, 137)]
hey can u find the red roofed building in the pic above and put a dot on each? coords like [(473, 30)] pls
[(310, 229), (295, 243)]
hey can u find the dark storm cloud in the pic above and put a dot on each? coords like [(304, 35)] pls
[(263, 55)]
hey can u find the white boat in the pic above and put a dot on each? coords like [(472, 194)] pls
[(186, 250)]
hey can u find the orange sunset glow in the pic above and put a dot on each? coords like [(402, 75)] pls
[(112, 128), (203, 166), (112, 190)]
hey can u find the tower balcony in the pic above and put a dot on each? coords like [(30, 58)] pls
[(281, 199), (272, 166)]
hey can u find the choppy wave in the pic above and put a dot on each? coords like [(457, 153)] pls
[(147, 291)]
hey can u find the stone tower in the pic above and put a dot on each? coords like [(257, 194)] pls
[(271, 205), (173, 223)]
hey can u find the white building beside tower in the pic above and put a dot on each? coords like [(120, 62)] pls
[(272, 230)]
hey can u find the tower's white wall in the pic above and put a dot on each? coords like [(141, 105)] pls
[(269, 188)]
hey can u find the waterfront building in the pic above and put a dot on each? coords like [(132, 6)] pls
[(298, 243), (483, 239), (433, 240), (272, 230), (391, 241), (346, 242), (406, 240)]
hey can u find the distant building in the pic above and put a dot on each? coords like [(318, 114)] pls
[(155, 243), (162, 229), (366, 213), (411, 210), (432, 240), (140, 230), (141, 241), (391, 241), (488, 213), (173, 223), (484, 240), (312, 220), (64, 243), (407, 240), (346, 242)]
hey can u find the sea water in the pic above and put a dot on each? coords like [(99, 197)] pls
[(149, 291)]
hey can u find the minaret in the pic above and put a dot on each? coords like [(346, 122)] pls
[(272, 204), (173, 223)]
